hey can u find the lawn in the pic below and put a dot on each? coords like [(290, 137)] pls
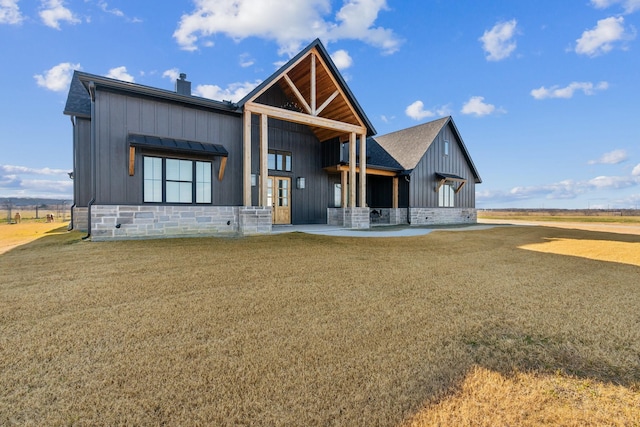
[(494, 327)]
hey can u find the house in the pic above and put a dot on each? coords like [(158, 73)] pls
[(149, 162)]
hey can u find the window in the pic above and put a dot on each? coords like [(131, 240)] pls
[(279, 160), (445, 196), (337, 195), (176, 181), (446, 147)]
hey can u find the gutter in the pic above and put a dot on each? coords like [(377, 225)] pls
[(92, 93)]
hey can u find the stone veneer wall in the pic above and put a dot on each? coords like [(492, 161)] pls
[(356, 218), (397, 216), (437, 216), (255, 220), (348, 217), (80, 218), (115, 222)]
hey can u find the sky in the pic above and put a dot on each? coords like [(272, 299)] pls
[(545, 93)]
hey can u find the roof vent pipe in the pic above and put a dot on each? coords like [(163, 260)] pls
[(183, 87)]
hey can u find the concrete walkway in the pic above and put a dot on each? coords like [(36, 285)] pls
[(380, 231)]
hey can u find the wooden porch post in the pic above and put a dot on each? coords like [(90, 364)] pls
[(344, 186), (264, 151), (395, 193), (246, 159), (363, 170), (352, 170)]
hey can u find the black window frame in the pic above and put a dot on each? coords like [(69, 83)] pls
[(164, 180)]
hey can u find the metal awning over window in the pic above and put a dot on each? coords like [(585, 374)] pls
[(443, 178), (177, 145)]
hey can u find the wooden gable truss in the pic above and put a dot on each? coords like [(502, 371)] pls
[(322, 104)]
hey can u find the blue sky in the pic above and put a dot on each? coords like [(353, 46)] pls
[(546, 94)]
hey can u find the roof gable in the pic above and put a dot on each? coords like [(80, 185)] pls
[(316, 88), (408, 146)]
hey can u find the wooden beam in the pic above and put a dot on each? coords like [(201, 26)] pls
[(264, 153), (327, 102), (460, 187), (305, 119), (352, 170), (363, 171), (132, 160), (440, 184), (223, 165), (394, 202), (313, 84), (370, 170), (246, 159), (297, 93)]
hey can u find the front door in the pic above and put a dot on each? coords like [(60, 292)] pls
[(279, 198)]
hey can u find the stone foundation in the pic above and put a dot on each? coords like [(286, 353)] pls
[(439, 216), (118, 222), (254, 220), (80, 219), (357, 218)]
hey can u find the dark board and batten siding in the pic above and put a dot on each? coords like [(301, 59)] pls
[(118, 115), (423, 177), (82, 161)]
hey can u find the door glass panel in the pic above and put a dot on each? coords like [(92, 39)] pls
[(270, 192)]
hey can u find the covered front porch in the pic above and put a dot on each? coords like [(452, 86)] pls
[(315, 96)]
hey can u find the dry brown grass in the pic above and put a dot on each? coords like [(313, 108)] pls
[(313, 330), (13, 235)]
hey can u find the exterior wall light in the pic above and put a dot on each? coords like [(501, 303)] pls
[(254, 179), (300, 183)]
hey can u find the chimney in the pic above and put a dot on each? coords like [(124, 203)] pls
[(183, 87)]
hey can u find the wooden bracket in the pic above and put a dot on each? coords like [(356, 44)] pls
[(223, 165), (132, 160)]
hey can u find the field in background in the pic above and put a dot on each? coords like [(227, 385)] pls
[(488, 327), (629, 216)]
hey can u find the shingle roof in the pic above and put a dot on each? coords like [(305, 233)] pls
[(78, 100), (378, 157), (408, 146)]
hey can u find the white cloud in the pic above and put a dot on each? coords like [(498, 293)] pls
[(173, 74), (602, 37), (11, 169), (629, 6), (53, 12), (234, 92), (562, 190), (116, 12), (58, 77), (611, 158), (342, 59), (636, 170), (477, 107), (10, 12), (289, 23), (416, 111), (120, 73), (587, 88), (246, 60), (498, 42), (23, 181)]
